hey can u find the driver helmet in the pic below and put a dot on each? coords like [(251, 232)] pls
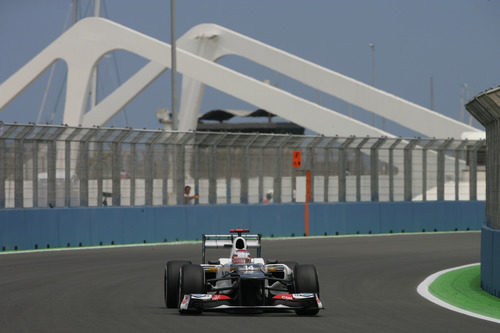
[(241, 257)]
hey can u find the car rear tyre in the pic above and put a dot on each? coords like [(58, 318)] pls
[(306, 281), (171, 282)]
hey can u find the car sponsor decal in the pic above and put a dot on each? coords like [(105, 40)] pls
[(287, 297), (185, 302), (238, 230), (220, 297), (201, 296), (320, 305), (302, 296)]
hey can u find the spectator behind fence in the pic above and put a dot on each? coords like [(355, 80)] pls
[(188, 198), (269, 197)]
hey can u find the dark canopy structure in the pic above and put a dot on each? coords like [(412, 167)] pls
[(241, 125), (485, 107)]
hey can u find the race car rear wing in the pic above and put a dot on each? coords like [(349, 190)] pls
[(226, 241)]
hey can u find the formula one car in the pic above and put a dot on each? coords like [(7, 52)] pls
[(240, 283)]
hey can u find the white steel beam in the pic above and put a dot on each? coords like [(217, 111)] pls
[(90, 39), (212, 41)]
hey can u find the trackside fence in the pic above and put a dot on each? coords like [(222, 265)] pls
[(60, 166)]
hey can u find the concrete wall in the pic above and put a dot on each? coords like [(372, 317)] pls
[(63, 227)]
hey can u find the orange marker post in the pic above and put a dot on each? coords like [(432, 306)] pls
[(306, 204)]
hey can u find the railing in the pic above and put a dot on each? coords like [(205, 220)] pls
[(59, 166)]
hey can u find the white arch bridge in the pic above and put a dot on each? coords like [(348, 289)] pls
[(83, 45)]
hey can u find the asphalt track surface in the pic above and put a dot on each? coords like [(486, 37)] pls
[(368, 284)]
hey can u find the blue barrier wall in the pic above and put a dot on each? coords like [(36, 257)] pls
[(62, 227), (490, 263)]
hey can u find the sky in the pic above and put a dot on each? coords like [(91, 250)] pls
[(454, 42)]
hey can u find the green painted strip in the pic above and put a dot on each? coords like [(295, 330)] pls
[(376, 235), (462, 288), (108, 246)]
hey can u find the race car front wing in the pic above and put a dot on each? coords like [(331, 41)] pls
[(278, 303)]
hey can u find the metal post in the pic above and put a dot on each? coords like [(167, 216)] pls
[(374, 191), (51, 174), (164, 177), (148, 175), (342, 175), (262, 168), (441, 168), (99, 165), (342, 168), (473, 169), (212, 175), (34, 173), (149, 168), (425, 148), (196, 167), (166, 160), (180, 152), (175, 122), (277, 175), (99, 173), (311, 162), (83, 172), (245, 170), (328, 163), (51, 167), (229, 169), (67, 173), (261, 174), (408, 151), (93, 89), (359, 167), (18, 173), (212, 170), (372, 48), (374, 184), (115, 173), (132, 169), (83, 164), (310, 173), (179, 173), (228, 174), (3, 172), (19, 166), (277, 184), (36, 139), (391, 168), (116, 166), (67, 165), (458, 149), (132, 172), (3, 162)]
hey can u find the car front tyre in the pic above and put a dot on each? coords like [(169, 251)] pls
[(191, 281), (306, 281), (171, 282)]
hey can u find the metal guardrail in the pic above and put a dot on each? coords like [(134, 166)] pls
[(60, 166)]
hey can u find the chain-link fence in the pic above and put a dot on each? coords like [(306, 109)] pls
[(59, 166)]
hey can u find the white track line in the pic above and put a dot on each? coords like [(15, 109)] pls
[(423, 290)]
